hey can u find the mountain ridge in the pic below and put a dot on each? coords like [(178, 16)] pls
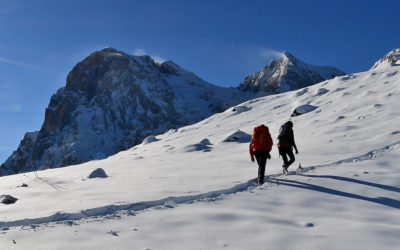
[(113, 100)]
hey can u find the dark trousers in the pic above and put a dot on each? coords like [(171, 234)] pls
[(285, 152), (261, 157)]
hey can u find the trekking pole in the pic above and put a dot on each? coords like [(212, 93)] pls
[(36, 173), (34, 168)]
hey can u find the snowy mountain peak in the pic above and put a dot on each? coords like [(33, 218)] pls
[(288, 73), (287, 57), (390, 59)]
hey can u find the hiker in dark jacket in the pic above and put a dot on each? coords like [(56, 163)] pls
[(286, 144), (260, 146)]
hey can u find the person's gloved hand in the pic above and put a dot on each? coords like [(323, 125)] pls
[(297, 152), (268, 155), (252, 158)]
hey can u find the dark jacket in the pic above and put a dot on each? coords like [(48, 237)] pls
[(288, 142)]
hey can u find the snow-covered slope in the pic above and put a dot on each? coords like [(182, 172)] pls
[(193, 187), (286, 74), (111, 102)]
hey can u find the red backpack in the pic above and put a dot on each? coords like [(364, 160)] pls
[(261, 139)]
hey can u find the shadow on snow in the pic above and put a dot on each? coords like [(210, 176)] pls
[(340, 178), (298, 184)]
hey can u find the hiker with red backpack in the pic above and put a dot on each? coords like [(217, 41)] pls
[(260, 146), (286, 144)]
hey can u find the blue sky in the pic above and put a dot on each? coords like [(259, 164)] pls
[(221, 41)]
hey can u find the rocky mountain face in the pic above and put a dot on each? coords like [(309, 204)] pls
[(286, 74), (390, 59), (111, 102)]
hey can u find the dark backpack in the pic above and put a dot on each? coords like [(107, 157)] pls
[(284, 133)]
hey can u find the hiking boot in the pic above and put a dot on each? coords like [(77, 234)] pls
[(285, 167)]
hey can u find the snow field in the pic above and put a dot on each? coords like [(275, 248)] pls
[(272, 216)]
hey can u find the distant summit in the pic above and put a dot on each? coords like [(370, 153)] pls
[(390, 59), (286, 74)]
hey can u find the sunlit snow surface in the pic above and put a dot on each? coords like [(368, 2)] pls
[(193, 188)]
